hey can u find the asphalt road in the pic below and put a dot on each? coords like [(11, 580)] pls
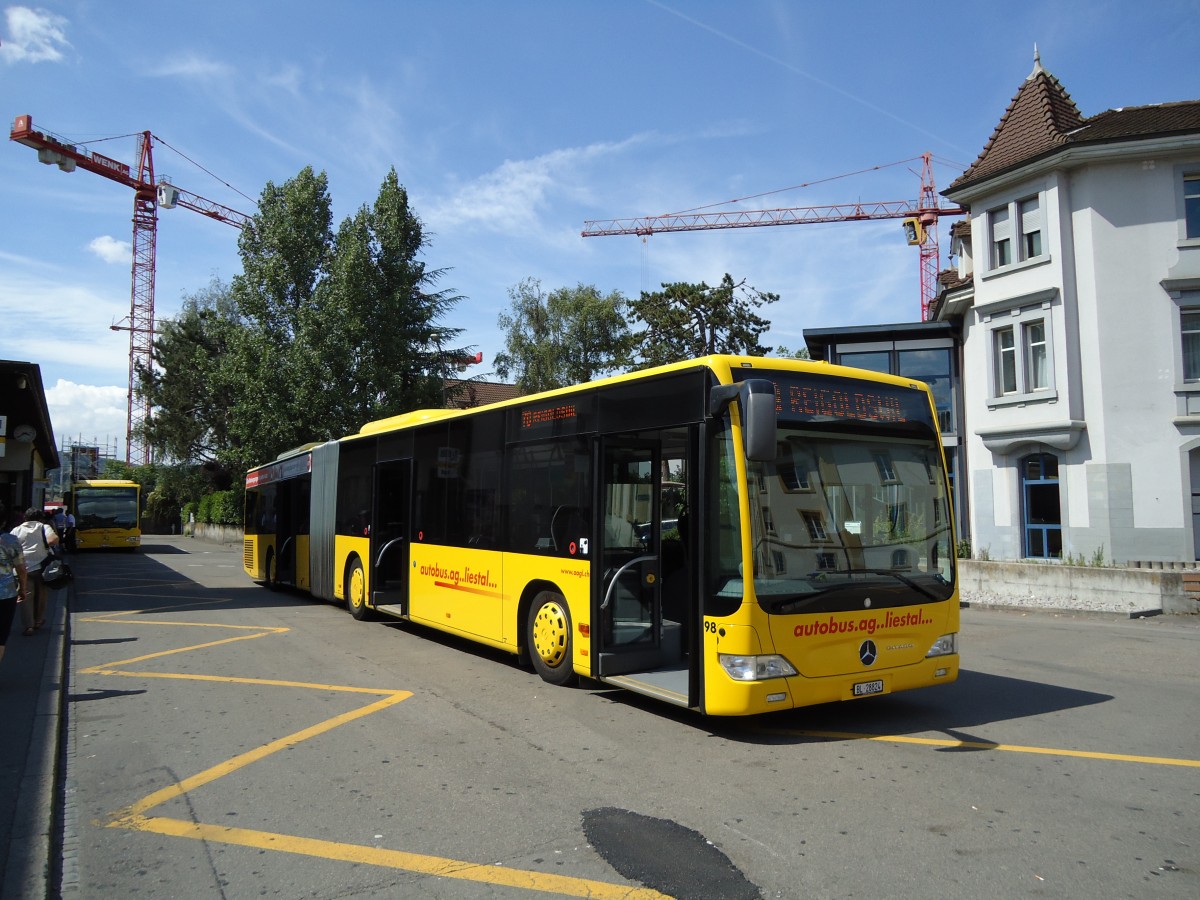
[(227, 741)]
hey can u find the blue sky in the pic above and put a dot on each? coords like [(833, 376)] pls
[(510, 124)]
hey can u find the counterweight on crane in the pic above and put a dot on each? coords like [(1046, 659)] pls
[(148, 195), (920, 223)]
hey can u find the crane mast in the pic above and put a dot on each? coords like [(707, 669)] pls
[(148, 195), (920, 223)]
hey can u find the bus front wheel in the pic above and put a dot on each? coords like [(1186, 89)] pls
[(356, 592), (548, 637)]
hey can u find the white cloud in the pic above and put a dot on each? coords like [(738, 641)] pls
[(88, 414), (111, 250), (65, 327), (191, 65), (34, 35), (509, 198)]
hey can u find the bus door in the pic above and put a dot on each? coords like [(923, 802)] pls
[(627, 598), (390, 536), (285, 532)]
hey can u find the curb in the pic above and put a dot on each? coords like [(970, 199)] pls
[(31, 871)]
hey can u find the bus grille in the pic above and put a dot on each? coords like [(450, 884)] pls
[(248, 554)]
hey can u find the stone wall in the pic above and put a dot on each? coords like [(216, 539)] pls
[(214, 534), (1130, 591)]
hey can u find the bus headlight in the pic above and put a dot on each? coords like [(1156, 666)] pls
[(946, 645), (755, 668)]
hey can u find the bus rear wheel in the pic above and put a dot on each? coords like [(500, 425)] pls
[(356, 592), (548, 637)]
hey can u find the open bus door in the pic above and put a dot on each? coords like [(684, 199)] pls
[(627, 599), (390, 536)]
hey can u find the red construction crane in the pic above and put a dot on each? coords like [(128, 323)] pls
[(920, 223), (149, 194)]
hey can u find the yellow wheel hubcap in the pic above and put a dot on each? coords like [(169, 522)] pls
[(357, 588), (550, 634)]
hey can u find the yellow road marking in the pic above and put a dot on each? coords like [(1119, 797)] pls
[(244, 759), (545, 882), (133, 817), (988, 745)]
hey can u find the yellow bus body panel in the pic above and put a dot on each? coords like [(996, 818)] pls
[(345, 549), (103, 538), (571, 578)]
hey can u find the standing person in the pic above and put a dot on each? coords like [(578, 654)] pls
[(36, 540), (69, 537), (13, 581)]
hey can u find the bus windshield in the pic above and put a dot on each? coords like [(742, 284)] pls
[(107, 507), (846, 520)]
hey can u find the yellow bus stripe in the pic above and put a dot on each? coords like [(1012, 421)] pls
[(436, 866), (988, 745), (470, 590)]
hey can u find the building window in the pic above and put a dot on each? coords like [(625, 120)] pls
[(779, 562), (1190, 330), (1015, 232), (1034, 337), (816, 525), (1001, 237), (932, 366), (1031, 228), (1191, 205), (887, 469), (1041, 510), (1022, 358), (1006, 360), (875, 360)]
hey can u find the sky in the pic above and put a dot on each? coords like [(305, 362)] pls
[(511, 124)]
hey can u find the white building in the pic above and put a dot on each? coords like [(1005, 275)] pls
[(1078, 306)]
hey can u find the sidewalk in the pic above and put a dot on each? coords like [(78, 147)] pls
[(31, 700)]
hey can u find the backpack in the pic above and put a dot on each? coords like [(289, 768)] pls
[(56, 573)]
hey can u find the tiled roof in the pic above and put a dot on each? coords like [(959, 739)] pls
[(949, 279), (464, 394), (1042, 119)]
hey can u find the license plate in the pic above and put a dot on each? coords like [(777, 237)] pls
[(866, 688)]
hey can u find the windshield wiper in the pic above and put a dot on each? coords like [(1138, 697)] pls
[(903, 579)]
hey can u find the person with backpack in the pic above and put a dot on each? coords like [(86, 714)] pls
[(13, 582), (36, 540)]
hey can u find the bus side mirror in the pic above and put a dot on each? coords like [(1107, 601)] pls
[(756, 400), (758, 419)]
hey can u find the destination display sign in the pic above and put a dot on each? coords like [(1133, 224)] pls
[(818, 398), (280, 471)]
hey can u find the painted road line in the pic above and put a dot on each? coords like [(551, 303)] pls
[(436, 866), (134, 817), (988, 745)]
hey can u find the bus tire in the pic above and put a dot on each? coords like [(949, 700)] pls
[(548, 637), (356, 592)]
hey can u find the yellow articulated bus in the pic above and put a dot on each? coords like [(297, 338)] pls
[(733, 535), (107, 514)]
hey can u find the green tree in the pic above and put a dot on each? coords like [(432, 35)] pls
[(788, 353), (569, 336), (190, 388), (320, 333), (689, 320)]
